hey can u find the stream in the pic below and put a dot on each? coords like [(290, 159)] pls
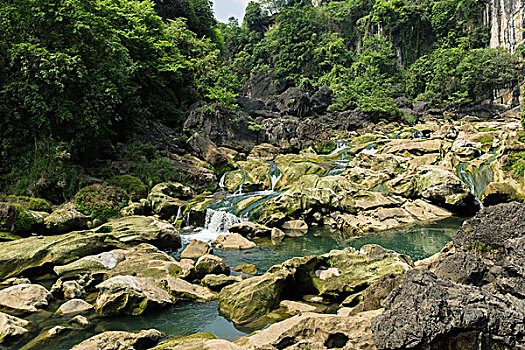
[(186, 318)]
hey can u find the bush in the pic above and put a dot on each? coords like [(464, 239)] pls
[(36, 204), (44, 172), (133, 186), (100, 202), (16, 219)]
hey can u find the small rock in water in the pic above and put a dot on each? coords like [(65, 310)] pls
[(233, 241), (248, 269), (296, 308), (295, 225), (80, 321), (277, 235), (196, 249), (210, 264)]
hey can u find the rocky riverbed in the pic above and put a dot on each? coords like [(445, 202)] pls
[(313, 244)]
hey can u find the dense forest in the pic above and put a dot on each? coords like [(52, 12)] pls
[(77, 77)]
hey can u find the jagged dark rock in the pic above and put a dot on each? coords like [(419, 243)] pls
[(492, 227), (463, 268), (427, 312)]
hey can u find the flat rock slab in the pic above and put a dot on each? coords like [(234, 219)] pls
[(121, 341), (24, 254), (74, 307), (233, 241), (24, 298)]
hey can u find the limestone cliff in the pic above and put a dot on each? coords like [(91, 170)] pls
[(506, 18)]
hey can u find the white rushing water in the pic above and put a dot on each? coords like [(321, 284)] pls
[(217, 223)]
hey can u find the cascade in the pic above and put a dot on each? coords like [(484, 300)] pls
[(221, 182), (244, 176), (275, 175)]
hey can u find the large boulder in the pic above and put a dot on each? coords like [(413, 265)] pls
[(316, 331), (24, 298), (321, 100), (498, 192), (130, 295), (497, 234), (167, 197), (293, 102), (121, 341), (66, 220), (254, 297), (100, 202), (34, 252), (335, 276), (428, 312), (207, 150), (143, 260), (74, 307), (443, 188), (210, 264)]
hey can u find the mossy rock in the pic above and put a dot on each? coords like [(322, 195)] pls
[(100, 202), (30, 203), (133, 186), (15, 218)]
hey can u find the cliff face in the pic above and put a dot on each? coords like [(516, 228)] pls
[(506, 18)]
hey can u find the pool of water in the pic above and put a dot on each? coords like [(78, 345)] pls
[(187, 318), (419, 242)]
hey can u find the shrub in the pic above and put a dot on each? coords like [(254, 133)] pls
[(100, 202), (44, 172), (31, 203), (133, 186)]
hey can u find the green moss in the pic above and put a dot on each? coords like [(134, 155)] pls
[(516, 163), (364, 139), (482, 247), (133, 186), (100, 202), (31, 203), (486, 129), (485, 139), (24, 221), (325, 148)]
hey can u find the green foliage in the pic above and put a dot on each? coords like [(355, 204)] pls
[(325, 148), (24, 221), (44, 172), (133, 186), (150, 166), (31, 203), (516, 163), (454, 77), (100, 202), (83, 71), (485, 139)]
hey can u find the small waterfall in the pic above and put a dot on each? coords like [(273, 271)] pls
[(370, 149), (244, 176), (217, 223), (341, 147), (478, 180), (275, 175), (416, 134), (221, 182), (336, 171)]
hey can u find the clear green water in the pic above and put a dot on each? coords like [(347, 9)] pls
[(187, 318)]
